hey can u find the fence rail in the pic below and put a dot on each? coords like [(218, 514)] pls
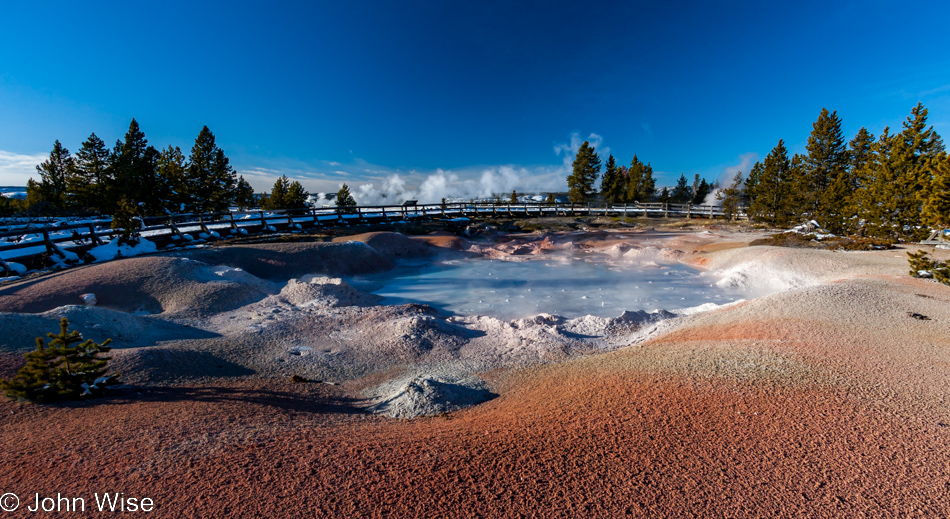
[(31, 239)]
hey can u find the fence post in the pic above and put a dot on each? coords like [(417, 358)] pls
[(689, 208), (666, 210), (93, 235), (50, 249)]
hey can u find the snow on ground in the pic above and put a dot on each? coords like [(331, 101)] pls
[(113, 249)]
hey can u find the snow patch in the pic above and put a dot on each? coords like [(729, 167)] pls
[(113, 250)]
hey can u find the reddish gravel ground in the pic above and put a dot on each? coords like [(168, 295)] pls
[(826, 401), (564, 441)]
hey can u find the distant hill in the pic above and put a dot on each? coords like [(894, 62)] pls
[(13, 191)]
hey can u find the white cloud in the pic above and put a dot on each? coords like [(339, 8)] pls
[(16, 168), (567, 151)]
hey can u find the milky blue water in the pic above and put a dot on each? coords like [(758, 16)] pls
[(571, 287)]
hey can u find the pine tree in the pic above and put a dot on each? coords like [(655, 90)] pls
[(772, 202), (701, 190), (751, 184), (125, 224), (936, 209), (731, 196), (91, 175), (278, 194), (174, 187), (296, 196), (54, 173), (826, 161), (344, 198), (133, 164), (641, 185), (36, 199), (609, 184), (664, 196), (244, 194), (890, 202), (211, 177), (634, 180), (59, 370), (586, 166), (680, 193), (514, 197), (648, 184), (924, 143), (859, 150)]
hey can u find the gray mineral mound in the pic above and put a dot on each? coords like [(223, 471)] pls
[(325, 292), (145, 285), (425, 396), (282, 261), (126, 330)]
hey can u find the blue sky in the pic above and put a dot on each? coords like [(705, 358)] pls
[(449, 96)]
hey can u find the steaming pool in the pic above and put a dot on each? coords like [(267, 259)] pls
[(570, 287)]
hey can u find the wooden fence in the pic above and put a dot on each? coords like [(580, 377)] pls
[(48, 239)]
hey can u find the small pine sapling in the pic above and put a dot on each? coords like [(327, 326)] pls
[(66, 368), (922, 266), (125, 223)]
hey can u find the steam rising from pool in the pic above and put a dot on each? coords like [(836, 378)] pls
[(566, 286)]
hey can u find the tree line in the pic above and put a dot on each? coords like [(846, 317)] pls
[(134, 176), (895, 185), (626, 184)]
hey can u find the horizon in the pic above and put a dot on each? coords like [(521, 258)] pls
[(464, 98)]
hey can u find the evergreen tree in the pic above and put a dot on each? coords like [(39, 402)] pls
[(611, 183), (244, 194), (296, 196), (633, 184), (278, 194), (664, 196), (859, 151), (751, 184), (59, 370), (125, 224), (174, 187), (936, 209), (212, 179), (550, 199), (54, 173), (586, 166), (514, 197), (344, 198), (731, 196), (826, 161), (890, 203), (35, 198), (924, 143), (640, 183), (133, 164), (701, 190), (772, 201), (681, 193), (90, 175)]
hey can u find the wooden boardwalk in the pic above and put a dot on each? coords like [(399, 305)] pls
[(23, 241)]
